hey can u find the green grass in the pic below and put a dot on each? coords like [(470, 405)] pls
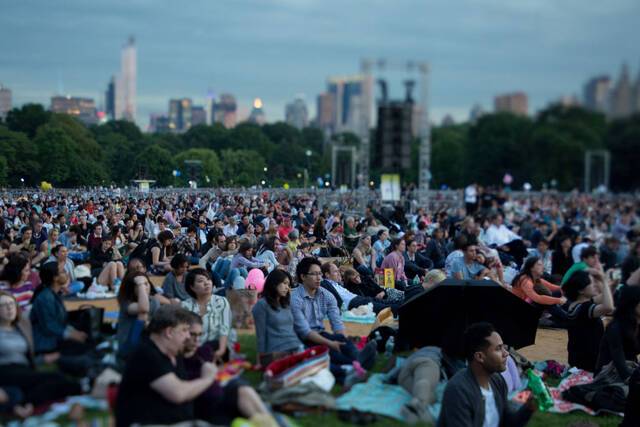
[(248, 347)]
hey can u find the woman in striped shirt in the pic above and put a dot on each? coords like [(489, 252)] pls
[(15, 279)]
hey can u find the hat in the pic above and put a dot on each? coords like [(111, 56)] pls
[(82, 271)]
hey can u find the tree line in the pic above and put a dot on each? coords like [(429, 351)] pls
[(37, 145), (548, 150)]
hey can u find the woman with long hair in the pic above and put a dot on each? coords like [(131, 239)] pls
[(267, 252), (590, 298), (18, 363), (364, 256), (51, 329), (531, 287), (274, 320)]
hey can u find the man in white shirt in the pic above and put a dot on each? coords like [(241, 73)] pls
[(471, 198), (505, 240)]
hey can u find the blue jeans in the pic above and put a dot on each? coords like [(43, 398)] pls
[(221, 267), (233, 274)]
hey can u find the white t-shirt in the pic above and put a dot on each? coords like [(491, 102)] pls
[(470, 194), (491, 417)]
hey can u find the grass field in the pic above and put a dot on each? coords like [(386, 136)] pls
[(248, 345)]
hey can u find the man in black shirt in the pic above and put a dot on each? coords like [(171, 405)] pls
[(154, 387)]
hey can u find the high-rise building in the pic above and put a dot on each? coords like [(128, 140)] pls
[(257, 115), (82, 108), (296, 113), (326, 106), (515, 103), (159, 123), (621, 95), (636, 95), (476, 112), (110, 99), (198, 115), (596, 94), (225, 111), (180, 115), (5, 102), (393, 136), (125, 100), (353, 103)]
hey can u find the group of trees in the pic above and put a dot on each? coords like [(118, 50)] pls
[(546, 150), (37, 145)]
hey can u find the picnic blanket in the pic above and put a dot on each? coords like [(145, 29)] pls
[(367, 319), (377, 397), (561, 406)]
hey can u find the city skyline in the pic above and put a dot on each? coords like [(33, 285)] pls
[(276, 49)]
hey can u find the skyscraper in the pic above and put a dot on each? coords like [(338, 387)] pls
[(621, 96), (159, 123), (5, 102), (225, 111), (198, 115), (350, 95), (596, 94), (110, 99), (296, 113), (257, 115), (515, 103), (82, 108), (636, 94), (180, 115), (125, 105), (326, 105)]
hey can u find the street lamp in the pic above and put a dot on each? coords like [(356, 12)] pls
[(307, 153)]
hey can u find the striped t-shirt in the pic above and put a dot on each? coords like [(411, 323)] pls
[(22, 293)]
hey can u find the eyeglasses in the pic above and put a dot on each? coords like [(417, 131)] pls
[(316, 273), (196, 334), (7, 304)]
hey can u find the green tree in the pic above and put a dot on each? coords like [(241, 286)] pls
[(155, 162), (118, 152), (247, 136), (214, 137), (55, 152), (242, 167), (21, 155), (448, 152), (27, 119), (281, 132), (313, 138), (127, 129), (4, 170), (211, 168), (623, 141)]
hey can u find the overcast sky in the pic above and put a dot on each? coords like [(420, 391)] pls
[(277, 49)]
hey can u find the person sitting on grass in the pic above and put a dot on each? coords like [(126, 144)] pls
[(274, 320), (214, 310), (477, 395), (173, 284), (590, 299), (220, 404), (155, 388), (310, 304)]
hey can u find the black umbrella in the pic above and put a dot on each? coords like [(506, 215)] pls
[(440, 315)]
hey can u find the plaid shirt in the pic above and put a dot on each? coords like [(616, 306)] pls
[(183, 244)]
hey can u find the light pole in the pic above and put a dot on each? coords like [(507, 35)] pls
[(307, 153)]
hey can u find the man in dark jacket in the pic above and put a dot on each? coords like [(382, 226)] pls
[(477, 395)]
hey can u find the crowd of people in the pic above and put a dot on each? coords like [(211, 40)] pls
[(575, 257)]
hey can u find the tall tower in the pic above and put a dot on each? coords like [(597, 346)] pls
[(126, 84), (5, 101), (621, 102)]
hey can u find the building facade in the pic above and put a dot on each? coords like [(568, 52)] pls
[(515, 103), (180, 115), (5, 102), (296, 114), (82, 108), (225, 111), (125, 99)]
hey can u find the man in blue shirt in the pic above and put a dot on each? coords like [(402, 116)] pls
[(310, 304), (467, 268)]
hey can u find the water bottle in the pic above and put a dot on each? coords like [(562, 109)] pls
[(539, 390), (389, 346)]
